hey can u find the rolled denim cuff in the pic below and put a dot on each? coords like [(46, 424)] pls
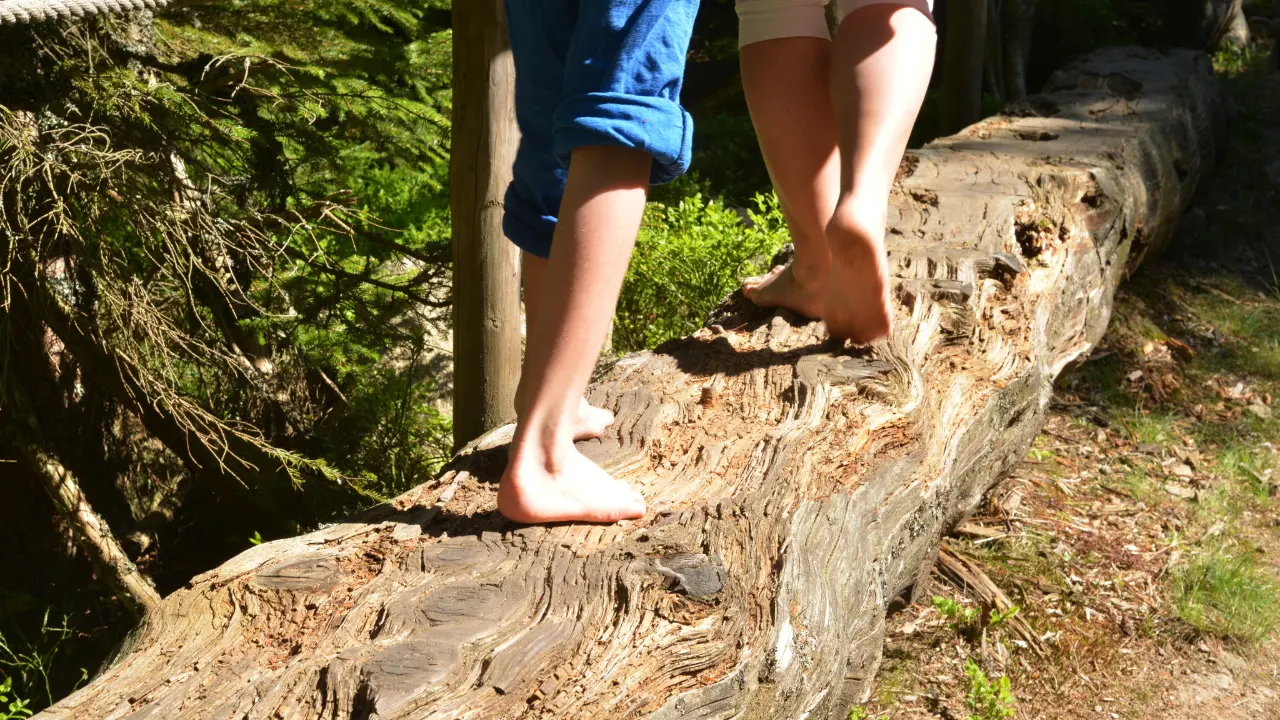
[(653, 124), (526, 223)]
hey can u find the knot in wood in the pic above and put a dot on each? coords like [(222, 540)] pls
[(708, 398), (312, 574), (696, 575)]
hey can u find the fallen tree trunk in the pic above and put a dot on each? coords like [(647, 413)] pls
[(797, 488)]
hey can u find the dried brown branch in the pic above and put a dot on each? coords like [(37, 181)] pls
[(93, 537), (969, 578)]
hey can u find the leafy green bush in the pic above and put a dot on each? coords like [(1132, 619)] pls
[(688, 258), (390, 435), (381, 75)]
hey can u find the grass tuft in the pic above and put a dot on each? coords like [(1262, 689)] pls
[(1227, 596)]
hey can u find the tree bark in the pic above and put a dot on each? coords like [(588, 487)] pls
[(993, 70), (1019, 22), (243, 471), (69, 416), (486, 268), (963, 72), (797, 488)]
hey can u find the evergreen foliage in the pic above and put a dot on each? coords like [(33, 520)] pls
[(224, 254)]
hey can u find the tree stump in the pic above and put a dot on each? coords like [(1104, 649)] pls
[(797, 488)]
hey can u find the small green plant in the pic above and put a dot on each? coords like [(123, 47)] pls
[(1040, 454), (1275, 274), (1000, 618), (12, 708), (988, 700), (857, 712), (1228, 596), (1232, 60), (33, 663), (255, 538), (402, 437), (960, 615), (969, 622)]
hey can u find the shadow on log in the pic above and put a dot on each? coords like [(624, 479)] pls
[(797, 488)]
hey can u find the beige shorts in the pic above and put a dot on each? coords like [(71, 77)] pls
[(760, 20)]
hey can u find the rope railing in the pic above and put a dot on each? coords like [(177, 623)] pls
[(17, 12)]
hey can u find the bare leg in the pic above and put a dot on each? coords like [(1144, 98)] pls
[(547, 479), (881, 61), (591, 421), (787, 84)]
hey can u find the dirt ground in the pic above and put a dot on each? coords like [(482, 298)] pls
[(1091, 567), (1140, 538)]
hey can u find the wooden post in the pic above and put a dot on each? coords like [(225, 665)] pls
[(962, 74), (486, 268)]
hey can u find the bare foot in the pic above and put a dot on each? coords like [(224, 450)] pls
[(783, 288), (857, 298), (573, 489), (591, 421)]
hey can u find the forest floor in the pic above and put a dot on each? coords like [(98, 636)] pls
[(1140, 537)]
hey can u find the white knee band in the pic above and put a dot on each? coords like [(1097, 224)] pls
[(760, 20)]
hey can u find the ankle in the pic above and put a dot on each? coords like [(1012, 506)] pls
[(812, 266), (544, 444), (855, 233)]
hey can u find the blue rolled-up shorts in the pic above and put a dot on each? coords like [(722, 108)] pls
[(592, 72)]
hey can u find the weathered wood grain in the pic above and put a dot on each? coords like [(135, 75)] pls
[(796, 488)]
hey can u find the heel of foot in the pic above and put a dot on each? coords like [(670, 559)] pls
[(575, 490)]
